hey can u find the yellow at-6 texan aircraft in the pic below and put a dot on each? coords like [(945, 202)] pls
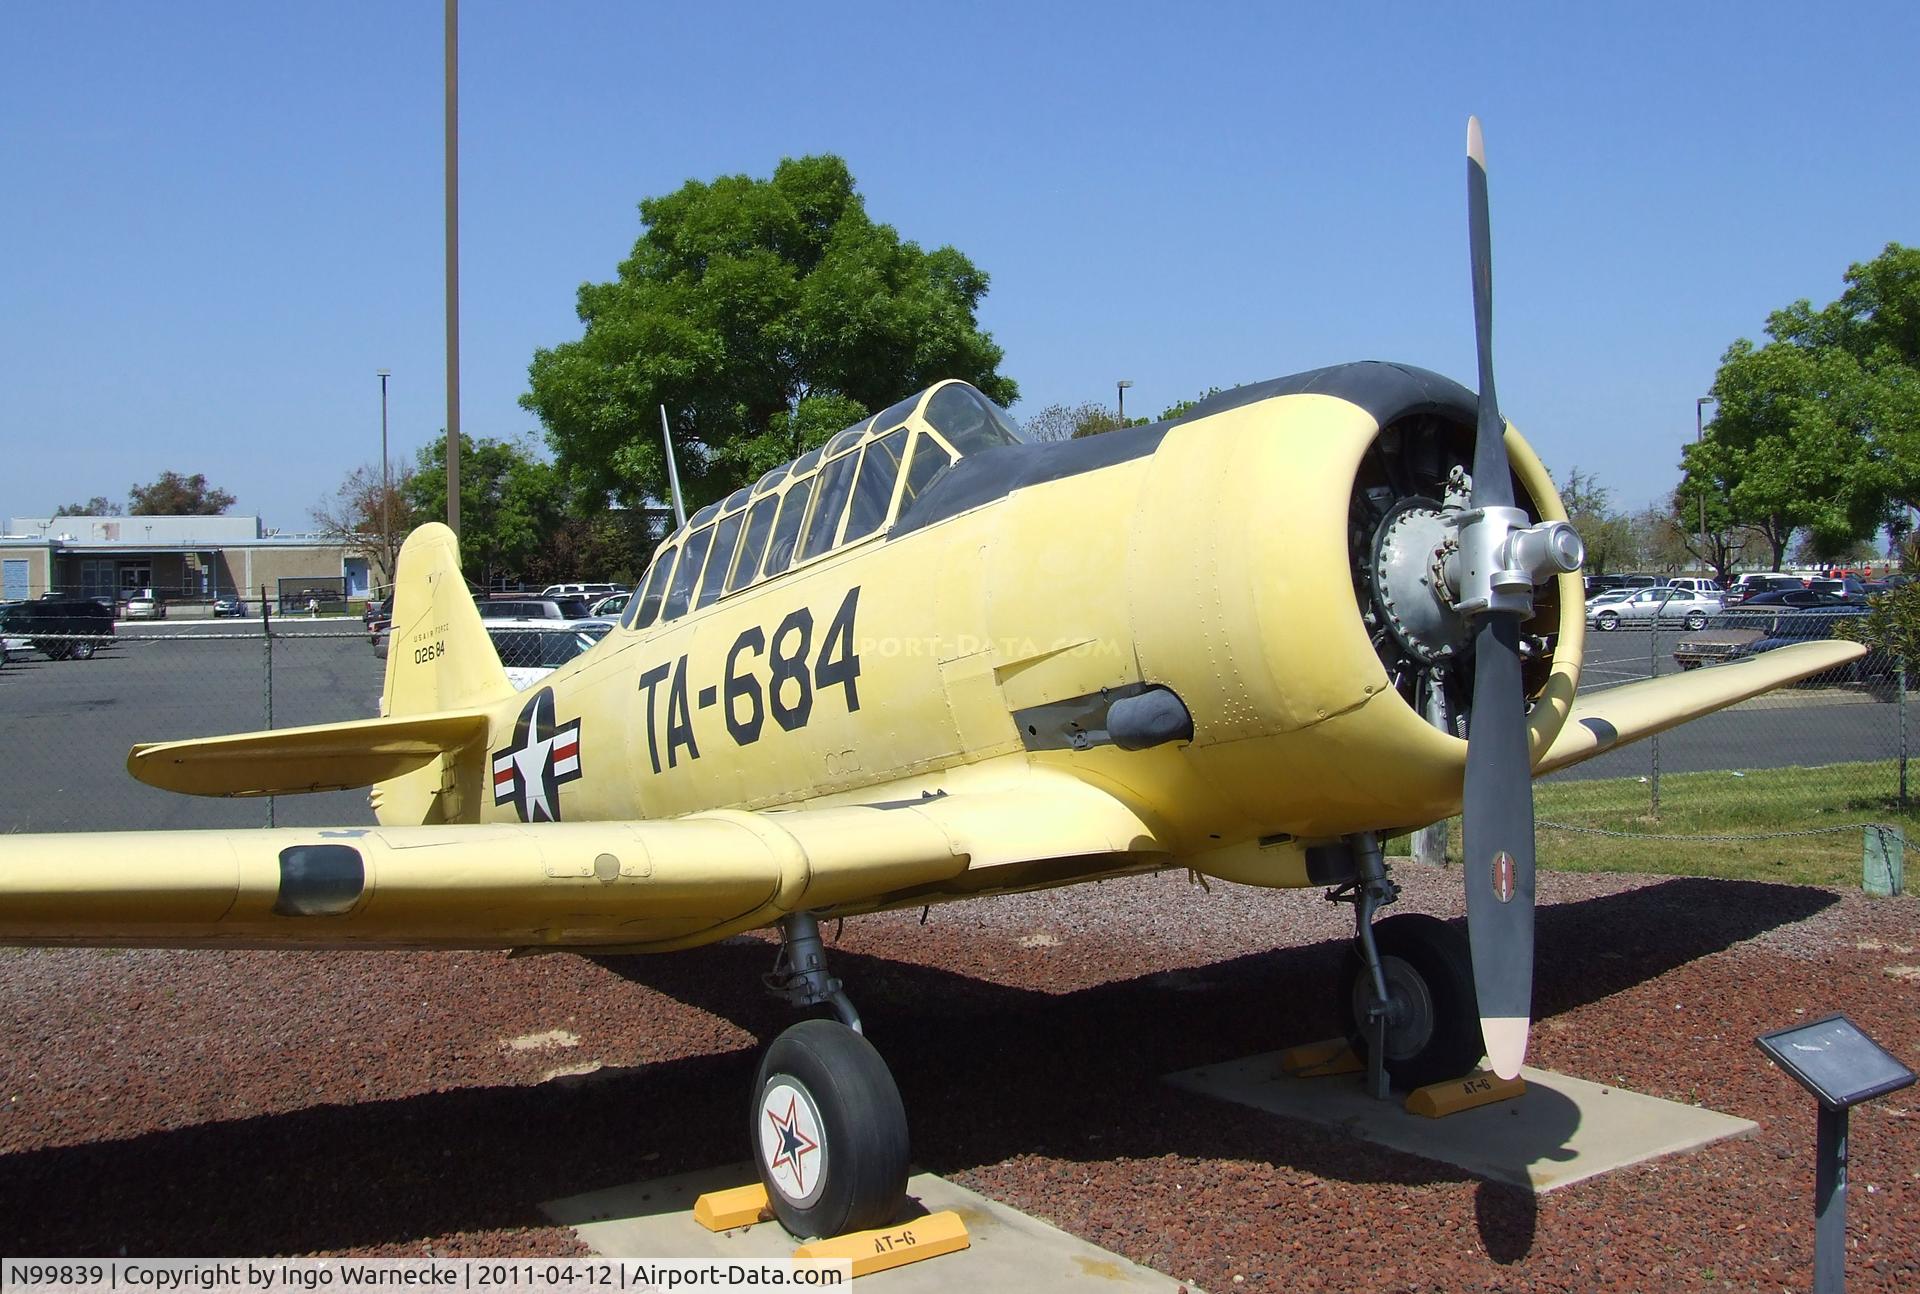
[(928, 661)]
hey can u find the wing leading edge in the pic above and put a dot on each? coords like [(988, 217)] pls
[(607, 886), (1602, 720)]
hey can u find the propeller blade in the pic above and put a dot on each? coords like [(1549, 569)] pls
[(1497, 803), (1498, 845), (1492, 486)]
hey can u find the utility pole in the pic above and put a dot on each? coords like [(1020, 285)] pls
[(453, 266), (1121, 387)]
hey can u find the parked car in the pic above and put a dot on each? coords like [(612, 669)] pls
[(63, 628), (530, 650), (1749, 630), (1748, 585), (1669, 606), (1812, 624), (612, 605), (146, 605), (1846, 586), (1795, 598), (498, 608), (1727, 636), (1609, 597), (229, 605), (587, 592), (1696, 584), (375, 610)]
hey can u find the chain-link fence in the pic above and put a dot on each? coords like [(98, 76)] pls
[(1783, 785), (70, 722), (71, 707)]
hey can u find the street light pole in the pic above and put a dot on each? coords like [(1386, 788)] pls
[(386, 485), (1121, 386), (1699, 430)]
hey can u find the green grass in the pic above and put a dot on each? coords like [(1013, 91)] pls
[(1695, 805)]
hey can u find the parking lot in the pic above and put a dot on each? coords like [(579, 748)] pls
[(1804, 725), (69, 724)]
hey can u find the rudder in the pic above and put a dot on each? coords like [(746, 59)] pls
[(438, 654)]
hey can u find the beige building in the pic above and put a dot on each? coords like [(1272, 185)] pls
[(186, 559)]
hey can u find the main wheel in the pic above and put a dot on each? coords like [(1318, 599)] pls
[(1433, 1029), (1607, 620), (829, 1131)]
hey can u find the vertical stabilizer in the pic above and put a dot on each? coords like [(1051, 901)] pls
[(438, 656)]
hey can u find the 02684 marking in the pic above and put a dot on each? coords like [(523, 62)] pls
[(797, 675)]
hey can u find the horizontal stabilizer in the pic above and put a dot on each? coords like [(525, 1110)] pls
[(288, 761), (1602, 720)]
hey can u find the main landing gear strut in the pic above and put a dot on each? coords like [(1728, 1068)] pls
[(829, 1131), (1410, 1005)]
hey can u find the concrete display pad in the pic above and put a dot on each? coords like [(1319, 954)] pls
[(1561, 1131), (1010, 1250)]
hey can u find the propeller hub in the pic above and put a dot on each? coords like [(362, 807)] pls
[(1500, 559)]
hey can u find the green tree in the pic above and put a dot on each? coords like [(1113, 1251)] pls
[(1607, 534), (1070, 422), (1792, 445), (1717, 545), (1892, 625), (97, 506), (611, 545), (762, 314), (373, 515), (1180, 408), (1820, 426), (174, 495), (510, 503)]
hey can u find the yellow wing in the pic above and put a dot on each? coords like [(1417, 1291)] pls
[(604, 886), (1602, 720)]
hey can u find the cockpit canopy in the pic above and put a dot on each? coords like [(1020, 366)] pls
[(847, 491)]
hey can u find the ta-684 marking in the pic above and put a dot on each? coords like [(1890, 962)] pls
[(796, 675)]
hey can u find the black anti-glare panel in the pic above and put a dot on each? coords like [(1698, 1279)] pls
[(1835, 1061)]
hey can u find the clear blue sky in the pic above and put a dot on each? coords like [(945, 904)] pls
[(220, 219)]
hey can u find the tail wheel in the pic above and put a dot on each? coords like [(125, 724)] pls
[(1433, 1028), (829, 1131)]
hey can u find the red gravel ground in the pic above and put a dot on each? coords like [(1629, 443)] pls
[(267, 1103)]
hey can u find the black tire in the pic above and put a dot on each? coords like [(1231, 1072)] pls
[(1696, 621), (1435, 1035), (1606, 621), (825, 1104), (81, 651)]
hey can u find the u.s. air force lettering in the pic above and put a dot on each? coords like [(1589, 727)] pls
[(528, 774)]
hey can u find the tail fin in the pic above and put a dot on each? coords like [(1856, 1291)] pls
[(438, 654)]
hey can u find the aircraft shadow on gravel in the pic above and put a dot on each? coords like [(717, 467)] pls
[(991, 1072)]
